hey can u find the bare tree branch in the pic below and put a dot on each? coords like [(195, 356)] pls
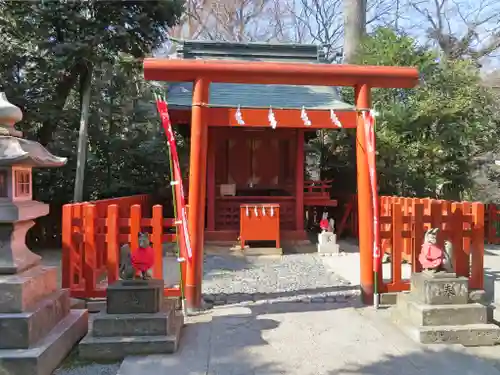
[(461, 28), (321, 21), (229, 20)]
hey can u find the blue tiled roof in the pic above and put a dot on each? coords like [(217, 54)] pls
[(252, 95), (261, 96)]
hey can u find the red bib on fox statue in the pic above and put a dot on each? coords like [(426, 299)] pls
[(324, 225), (143, 257), (432, 257)]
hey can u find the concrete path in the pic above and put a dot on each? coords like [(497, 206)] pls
[(279, 335), (306, 339), (492, 272)]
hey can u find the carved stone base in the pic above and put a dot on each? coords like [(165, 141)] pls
[(439, 288), (135, 297), (437, 311), (327, 243), (138, 321), (419, 314)]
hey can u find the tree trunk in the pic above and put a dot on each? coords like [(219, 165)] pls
[(111, 134), (354, 27), (61, 93), (85, 89)]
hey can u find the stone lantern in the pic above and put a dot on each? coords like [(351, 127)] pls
[(37, 327)]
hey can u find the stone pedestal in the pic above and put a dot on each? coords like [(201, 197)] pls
[(437, 310), (327, 243), (138, 321), (37, 327)]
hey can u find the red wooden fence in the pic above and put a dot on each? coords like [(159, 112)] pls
[(403, 224), (93, 234), (46, 233), (349, 222), (492, 224)]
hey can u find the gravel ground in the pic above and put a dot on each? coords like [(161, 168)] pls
[(72, 365), (88, 369), (294, 277)]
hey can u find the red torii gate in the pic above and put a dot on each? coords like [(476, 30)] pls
[(202, 73)]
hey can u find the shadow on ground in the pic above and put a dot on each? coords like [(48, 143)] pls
[(233, 340), (333, 294), (428, 362)]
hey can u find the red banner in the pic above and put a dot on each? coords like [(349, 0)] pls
[(369, 121), (181, 214)]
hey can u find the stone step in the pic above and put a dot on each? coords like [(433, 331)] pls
[(467, 335), (48, 353), (117, 348), (22, 330), (111, 325), (436, 315), (22, 291)]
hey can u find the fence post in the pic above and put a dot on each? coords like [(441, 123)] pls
[(397, 242), (427, 207), (79, 246), (437, 220), (407, 227), (467, 226), (492, 220), (385, 210), (477, 247), (456, 231), (446, 212), (113, 242), (135, 226), (418, 236), (89, 271), (67, 246), (157, 239)]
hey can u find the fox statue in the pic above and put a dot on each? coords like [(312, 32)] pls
[(137, 264), (432, 257)]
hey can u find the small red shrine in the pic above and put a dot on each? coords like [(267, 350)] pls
[(249, 107), (249, 162)]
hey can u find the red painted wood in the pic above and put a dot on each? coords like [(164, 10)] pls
[(245, 153), (228, 211), (263, 72), (265, 161), (238, 161), (255, 226), (92, 243), (299, 181), (211, 185), (197, 191)]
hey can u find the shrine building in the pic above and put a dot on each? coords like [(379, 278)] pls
[(249, 108), (249, 161)]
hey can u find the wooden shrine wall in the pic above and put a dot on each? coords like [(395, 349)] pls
[(264, 156)]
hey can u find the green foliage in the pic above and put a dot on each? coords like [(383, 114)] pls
[(47, 46), (428, 137)]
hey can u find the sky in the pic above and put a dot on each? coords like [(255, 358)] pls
[(414, 17)]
